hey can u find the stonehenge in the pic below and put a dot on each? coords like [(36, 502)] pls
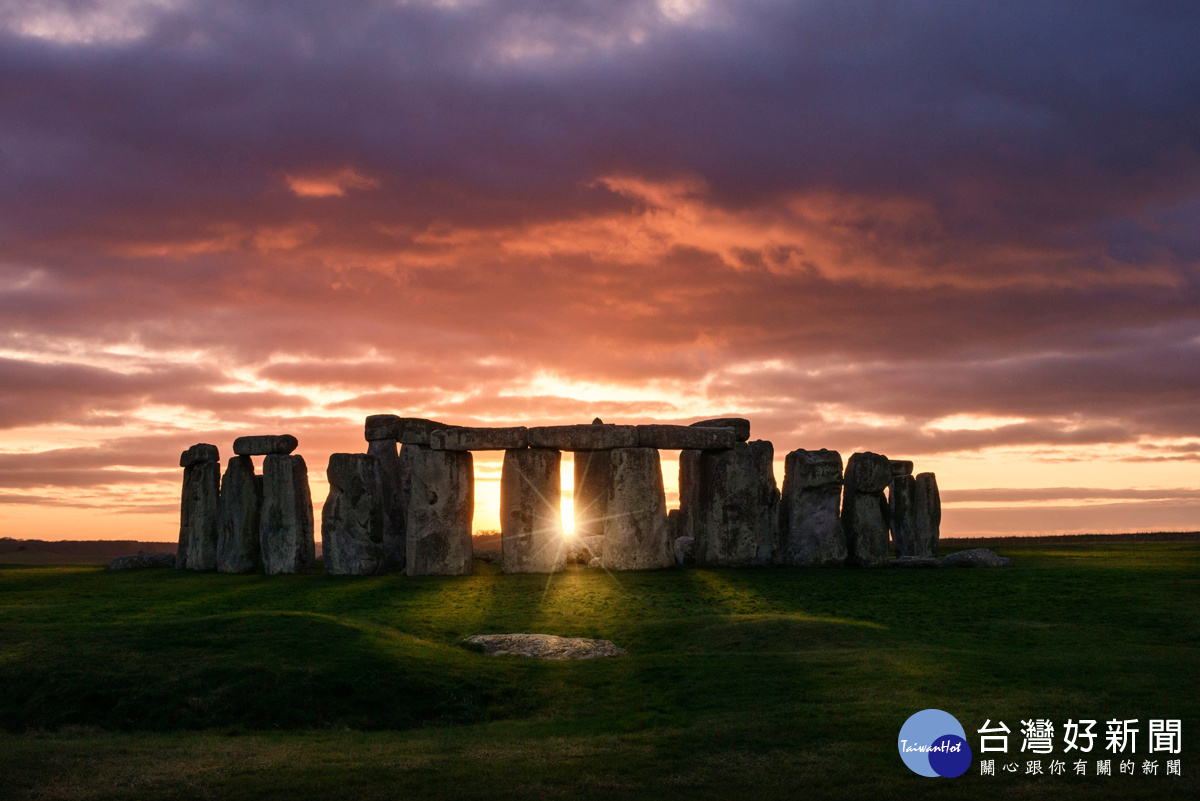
[(406, 504)]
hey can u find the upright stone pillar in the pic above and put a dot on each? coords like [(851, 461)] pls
[(738, 507), (238, 546), (927, 515), (531, 535), (809, 523), (865, 509), (394, 499), (636, 536), (689, 492), (286, 522), (592, 481), (197, 549), (901, 496), (352, 520), (441, 505)]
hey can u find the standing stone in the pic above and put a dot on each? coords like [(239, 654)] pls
[(441, 505), (238, 546), (531, 534), (737, 515), (198, 509), (395, 496), (635, 526), (927, 515), (809, 523), (865, 509), (286, 523), (593, 480), (901, 494), (689, 493), (352, 520)]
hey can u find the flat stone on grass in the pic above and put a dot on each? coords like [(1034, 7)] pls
[(544, 646)]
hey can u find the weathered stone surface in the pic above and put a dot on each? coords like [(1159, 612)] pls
[(595, 437), (740, 426), (689, 493), (395, 496), (810, 526), (238, 544), (737, 518), (635, 528), (544, 646), (583, 549), (531, 533), (915, 561), (352, 520), (865, 510), (868, 472), (286, 522), (593, 480), (200, 452), (140, 561), (197, 549), (441, 505), (900, 467), (405, 430), (479, 439), (902, 519), (596, 561), (927, 515), (685, 437), (264, 445), (975, 557), (684, 549)]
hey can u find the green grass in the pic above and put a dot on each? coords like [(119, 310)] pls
[(769, 683)]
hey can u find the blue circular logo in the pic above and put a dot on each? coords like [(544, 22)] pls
[(933, 743)]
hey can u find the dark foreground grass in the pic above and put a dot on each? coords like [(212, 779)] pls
[(761, 684)]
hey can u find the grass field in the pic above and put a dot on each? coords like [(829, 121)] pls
[(768, 683)]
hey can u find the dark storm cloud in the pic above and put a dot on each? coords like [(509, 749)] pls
[(913, 210)]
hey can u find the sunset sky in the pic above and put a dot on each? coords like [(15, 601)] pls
[(966, 234)]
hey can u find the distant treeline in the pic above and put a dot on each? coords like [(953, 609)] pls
[(1072, 539), (100, 550)]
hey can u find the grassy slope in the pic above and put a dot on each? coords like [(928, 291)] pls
[(740, 682)]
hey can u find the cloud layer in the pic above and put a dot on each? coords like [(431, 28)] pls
[(967, 235)]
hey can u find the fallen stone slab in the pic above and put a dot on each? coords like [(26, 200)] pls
[(544, 646), (685, 550), (677, 438), (487, 554), (915, 561), (595, 437), (200, 452), (140, 561), (975, 557), (479, 439), (264, 445), (740, 426), (405, 430)]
